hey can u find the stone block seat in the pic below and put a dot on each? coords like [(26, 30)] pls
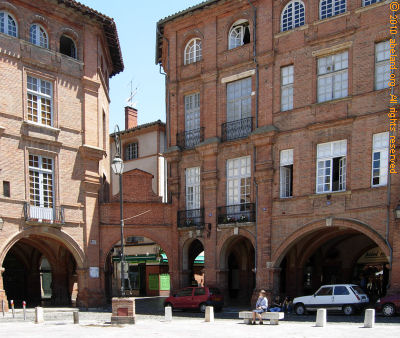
[(273, 317)]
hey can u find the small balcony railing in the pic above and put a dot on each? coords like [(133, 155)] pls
[(236, 129), (44, 215), (190, 139), (239, 213), (191, 218)]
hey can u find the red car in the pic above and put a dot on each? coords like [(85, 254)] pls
[(196, 298), (388, 305)]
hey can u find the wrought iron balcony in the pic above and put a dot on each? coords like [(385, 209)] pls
[(190, 139), (44, 215), (236, 129), (191, 218), (239, 213)]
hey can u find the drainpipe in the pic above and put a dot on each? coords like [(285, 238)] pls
[(255, 57)]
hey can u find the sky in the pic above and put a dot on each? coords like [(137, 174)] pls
[(136, 24)]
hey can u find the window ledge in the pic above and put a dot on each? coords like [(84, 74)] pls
[(325, 194), (331, 18), (366, 8), (2, 130), (297, 29), (332, 101), (42, 126), (235, 224)]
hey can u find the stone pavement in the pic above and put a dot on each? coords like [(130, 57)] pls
[(59, 323)]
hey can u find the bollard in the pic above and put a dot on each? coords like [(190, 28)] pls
[(12, 308), (39, 315), (168, 313), (321, 318), (209, 314), (76, 317), (24, 309), (369, 319), (2, 307)]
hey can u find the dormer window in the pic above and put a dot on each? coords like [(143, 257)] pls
[(38, 36), (7, 24), (239, 34), (67, 46)]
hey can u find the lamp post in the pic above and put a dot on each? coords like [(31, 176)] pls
[(118, 169)]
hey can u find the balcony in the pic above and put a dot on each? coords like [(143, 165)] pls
[(190, 139), (191, 218), (34, 214), (239, 213), (236, 129)]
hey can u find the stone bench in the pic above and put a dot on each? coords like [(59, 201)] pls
[(273, 317)]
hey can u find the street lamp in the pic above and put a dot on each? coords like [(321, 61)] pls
[(118, 169)]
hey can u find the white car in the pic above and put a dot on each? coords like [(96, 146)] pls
[(343, 297)]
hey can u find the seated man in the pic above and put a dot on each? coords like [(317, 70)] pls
[(261, 306)]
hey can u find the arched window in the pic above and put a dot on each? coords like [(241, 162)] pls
[(193, 51), (38, 36), (370, 2), (67, 46), (239, 34), (328, 8), (7, 24), (293, 15)]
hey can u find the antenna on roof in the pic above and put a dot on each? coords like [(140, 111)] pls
[(133, 92)]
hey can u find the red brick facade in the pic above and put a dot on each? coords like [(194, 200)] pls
[(287, 231)]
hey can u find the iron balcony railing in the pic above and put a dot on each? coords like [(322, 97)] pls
[(190, 139), (239, 213), (53, 215), (236, 129), (191, 218)]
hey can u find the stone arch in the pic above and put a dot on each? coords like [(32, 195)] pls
[(72, 34), (48, 232), (185, 251), (309, 228), (225, 242)]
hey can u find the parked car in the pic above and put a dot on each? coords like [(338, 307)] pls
[(388, 305), (343, 297), (196, 298)]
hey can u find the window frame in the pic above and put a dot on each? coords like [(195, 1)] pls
[(380, 149), (192, 110), (75, 57), (285, 160), (130, 153), (331, 61), (371, 3), (381, 64), (192, 188), (236, 183), (30, 93), (197, 51), (287, 89), (231, 114), (334, 3), (41, 171), (293, 20), (242, 24), (39, 29), (324, 159), (6, 17)]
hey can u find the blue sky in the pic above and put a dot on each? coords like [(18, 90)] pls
[(136, 23)]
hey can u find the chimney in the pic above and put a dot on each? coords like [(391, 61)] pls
[(130, 117)]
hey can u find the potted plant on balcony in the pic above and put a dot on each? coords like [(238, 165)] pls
[(189, 222), (243, 219)]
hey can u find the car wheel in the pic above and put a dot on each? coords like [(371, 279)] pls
[(300, 309), (348, 310), (202, 307), (388, 310)]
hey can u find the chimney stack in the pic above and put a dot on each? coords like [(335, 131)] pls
[(130, 117)]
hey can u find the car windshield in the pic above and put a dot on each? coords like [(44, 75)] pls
[(214, 291), (358, 289)]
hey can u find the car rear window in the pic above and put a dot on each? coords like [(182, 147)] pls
[(214, 291), (358, 290)]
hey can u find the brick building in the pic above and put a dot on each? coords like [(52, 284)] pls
[(278, 143), (56, 58)]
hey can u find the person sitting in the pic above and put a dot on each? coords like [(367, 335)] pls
[(261, 306), (287, 305), (276, 306)]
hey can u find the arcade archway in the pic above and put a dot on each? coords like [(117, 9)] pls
[(193, 263), (333, 255), (146, 269)]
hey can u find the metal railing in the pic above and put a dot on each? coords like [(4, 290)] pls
[(236, 129), (191, 218), (190, 139), (239, 213), (53, 215)]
